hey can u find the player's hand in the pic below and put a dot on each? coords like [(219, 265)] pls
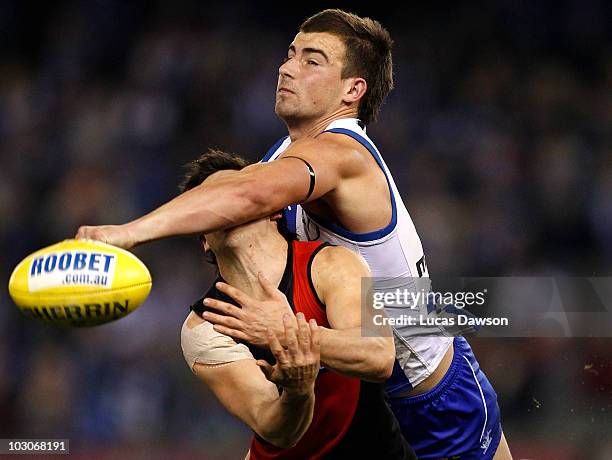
[(117, 235), (297, 364), (255, 318)]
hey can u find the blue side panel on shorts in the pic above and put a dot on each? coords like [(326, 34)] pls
[(398, 382), (458, 417)]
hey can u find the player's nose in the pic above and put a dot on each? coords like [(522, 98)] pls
[(287, 69)]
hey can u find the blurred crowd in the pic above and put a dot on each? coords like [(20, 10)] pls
[(499, 135)]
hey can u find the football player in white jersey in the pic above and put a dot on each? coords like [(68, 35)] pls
[(337, 72)]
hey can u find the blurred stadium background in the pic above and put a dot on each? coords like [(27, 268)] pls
[(499, 134)]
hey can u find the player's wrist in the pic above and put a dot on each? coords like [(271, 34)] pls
[(136, 233), (298, 394)]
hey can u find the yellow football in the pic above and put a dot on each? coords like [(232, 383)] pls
[(79, 283)]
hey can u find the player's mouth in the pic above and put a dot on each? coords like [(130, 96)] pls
[(284, 90)]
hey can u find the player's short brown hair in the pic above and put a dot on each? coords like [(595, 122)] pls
[(368, 54), (207, 164), (199, 169)]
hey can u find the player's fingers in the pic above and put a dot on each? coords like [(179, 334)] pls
[(265, 367), (91, 233), (303, 333), (276, 348), (235, 293), (235, 333), (291, 340), (82, 232), (315, 337), (224, 307), (222, 320)]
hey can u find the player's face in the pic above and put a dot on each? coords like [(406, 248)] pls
[(309, 81)]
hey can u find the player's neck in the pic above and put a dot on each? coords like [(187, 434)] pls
[(312, 127), (266, 253)]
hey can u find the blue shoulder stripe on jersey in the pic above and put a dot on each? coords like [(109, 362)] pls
[(370, 235), (273, 149), (291, 217)]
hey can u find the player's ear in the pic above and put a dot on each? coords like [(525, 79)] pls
[(354, 89), (204, 243), (209, 255)]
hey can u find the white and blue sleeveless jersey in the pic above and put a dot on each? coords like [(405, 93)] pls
[(395, 257)]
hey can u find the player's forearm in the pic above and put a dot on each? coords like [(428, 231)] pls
[(206, 208), (347, 352), (284, 422)]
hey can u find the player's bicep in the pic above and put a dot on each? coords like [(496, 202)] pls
[(278, 184), (240, 386), (227, 367), (324, 163), (339, 275), (308, 169), (323, 175)]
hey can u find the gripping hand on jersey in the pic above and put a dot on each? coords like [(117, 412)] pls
[(251, 322), (297, 364)]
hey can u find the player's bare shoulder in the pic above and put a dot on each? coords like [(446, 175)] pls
[(334, 266), (193, 320), (354, 157), (343, 152), (336, 257)]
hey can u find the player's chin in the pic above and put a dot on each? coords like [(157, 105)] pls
[(283, 108), (232, 238)]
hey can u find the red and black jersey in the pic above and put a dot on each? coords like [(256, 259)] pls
[(351, 417)]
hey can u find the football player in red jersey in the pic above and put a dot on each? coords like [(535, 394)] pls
[(315, 281)]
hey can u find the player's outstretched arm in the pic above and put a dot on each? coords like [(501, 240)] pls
[(248, 389), (353, 345), (237, 197)]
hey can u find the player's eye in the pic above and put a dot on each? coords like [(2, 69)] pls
[(312, 62)]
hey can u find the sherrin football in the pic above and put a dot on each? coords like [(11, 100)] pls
[(79, 283)]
